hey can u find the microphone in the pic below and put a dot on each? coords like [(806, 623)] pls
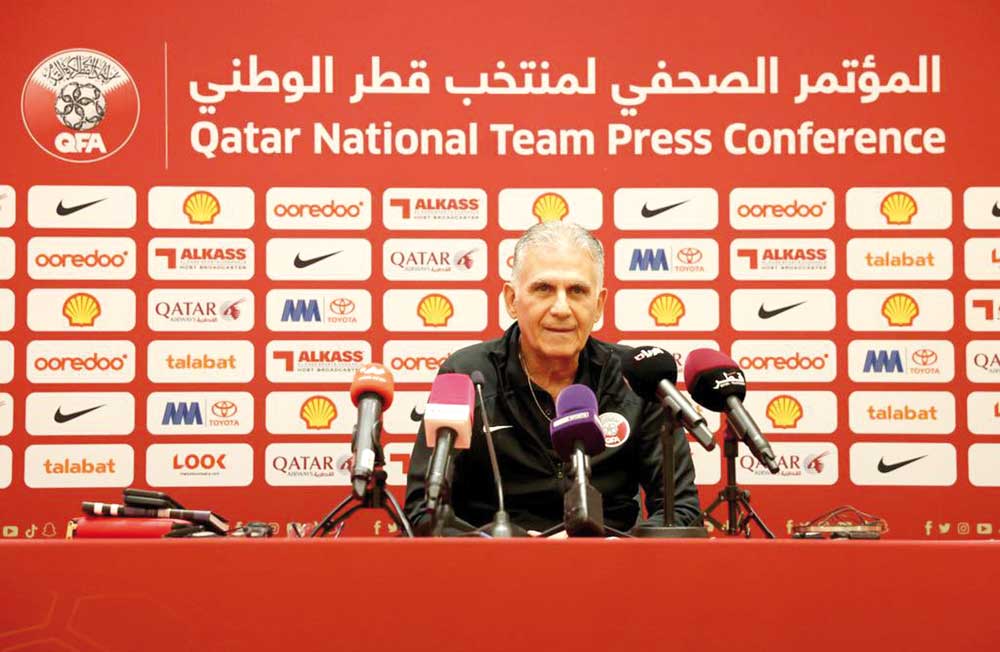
[(651, 373), (371, 392), (576, 435), (447, 426), (501, 527), (717, 383)]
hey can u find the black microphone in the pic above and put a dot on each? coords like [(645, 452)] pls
[(651, 373), (501, 527), (371, 392), (717, 383)]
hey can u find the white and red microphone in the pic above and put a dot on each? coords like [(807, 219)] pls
[(447, 427), (371, 393)]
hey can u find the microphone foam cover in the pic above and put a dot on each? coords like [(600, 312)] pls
[(450, 405), (478, 378), (712, 377), (645, 367), (576, 421), (373, 378)]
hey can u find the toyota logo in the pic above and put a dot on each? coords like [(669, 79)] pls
[(924, 357), (689, 255), (342, 306), (223, 409)]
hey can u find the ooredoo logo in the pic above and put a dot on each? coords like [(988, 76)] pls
[(81, 309), (784, 411), (318, 412), (81, 258), (80, 105), (786, 361), (666, 309), (418, 361), (62, 361), (435, 310), (319, 208), (898, 208), (550, 207), (781, 208)]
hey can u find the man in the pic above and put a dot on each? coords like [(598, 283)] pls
[(556, 294)]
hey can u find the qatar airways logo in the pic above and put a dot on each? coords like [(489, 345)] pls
[(782, 259), (445, 259), (198, 310), (434, 209), (319, 209), (182, 259), (307, 465), (81, 258), (982, 361), (794, 209), (70, 361), (794, 361), (799, 463)]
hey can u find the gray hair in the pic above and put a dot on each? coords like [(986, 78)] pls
[(552, 234)]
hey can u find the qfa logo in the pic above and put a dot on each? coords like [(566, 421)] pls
[(80, 105)]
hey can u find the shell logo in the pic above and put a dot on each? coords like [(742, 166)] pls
[(666, 310), (784, 411), (201, 207), (900, 309), (318, 412), (550, 207), (435, 310), (81, 309), (224, 409), (898, 208)]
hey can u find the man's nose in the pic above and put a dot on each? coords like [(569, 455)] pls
[(560, 306)]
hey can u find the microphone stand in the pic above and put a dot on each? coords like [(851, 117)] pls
[(737, 499), (583, 507), (671, 429), (375, 496)]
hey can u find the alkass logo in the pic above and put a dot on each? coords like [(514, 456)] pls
[(81, 258), (781, 208), (786, 361), (770, 259), (791, 258), (80, 105), (318, 412), (93, 465), (315, 360), (196, 309), (435, 310), (981, 313), (900, 309), (434, 208), (931, 361), (222, 259), (61, 361), (81, 309), (199, 465), (319, 208), (666, 309), (798, 463), (550, 207), (201, 207), (784, 411), (898, 208)]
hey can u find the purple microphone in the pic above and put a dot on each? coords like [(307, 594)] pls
[(576, 421)]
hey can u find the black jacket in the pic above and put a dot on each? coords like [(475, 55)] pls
[(534, 477)]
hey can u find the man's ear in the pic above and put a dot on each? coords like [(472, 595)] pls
[(508, 298), (602, 297)]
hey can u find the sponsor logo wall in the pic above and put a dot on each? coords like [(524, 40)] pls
[(201, 330)]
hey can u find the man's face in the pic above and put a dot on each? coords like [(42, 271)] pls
[(556, 301)]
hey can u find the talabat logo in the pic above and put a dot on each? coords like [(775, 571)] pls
[(319, 208), (8, 202), (902, 413), (80, 105), (890, 361), (201, 259), (666, 209), (981, 207), (305, 310), (196, 309), (522, 208), (319, 361), (799, 463), (78, 413), (876, 259), (75, 259), (201, 413), (445, 260), (898, 209), (909, 464), (793, 411), (199, 465), (666, 259), (896, 310), (434, 209), (794, 209), (200, 361), (681, 310), (309, 413), (201, 207), (82, 207), (434, 310), (87, 361), (755, 259), (791, 361), (93, 465)]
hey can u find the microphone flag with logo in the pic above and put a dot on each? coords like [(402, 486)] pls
[(371, 393)]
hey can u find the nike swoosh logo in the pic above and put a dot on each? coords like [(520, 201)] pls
[(996, 209), (302, 263), (888, 468), (495, 428), (767, 314), (63, 418), (69, 210), (648, 212)]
